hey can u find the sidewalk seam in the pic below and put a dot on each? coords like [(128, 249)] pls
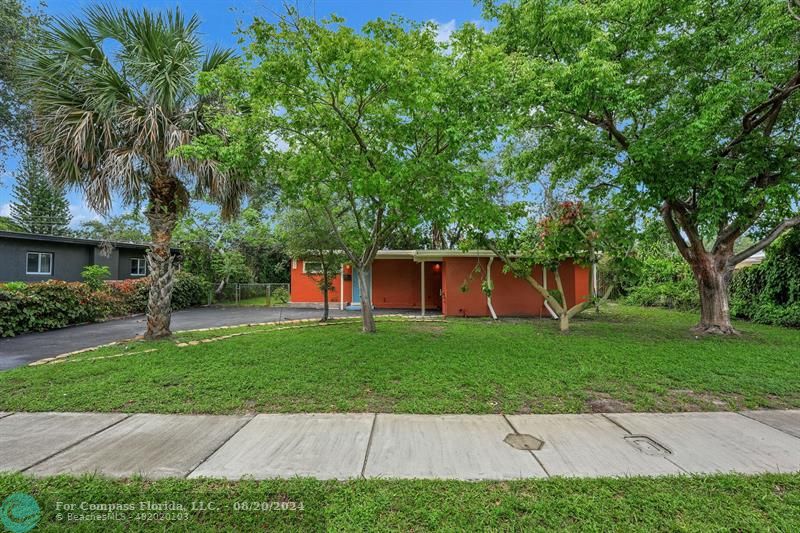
[(616, 423), (215, 450), (369, 445), (529, 451), (81, 441), (766, 424), (6, 414)]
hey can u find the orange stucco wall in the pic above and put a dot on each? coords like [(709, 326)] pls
[(396, 284), (305, 287), (511, 296)]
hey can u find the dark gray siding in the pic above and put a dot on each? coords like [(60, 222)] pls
[(125, 256), (111, 260), (68, 259)]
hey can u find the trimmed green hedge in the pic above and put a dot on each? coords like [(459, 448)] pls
[(57, 304)]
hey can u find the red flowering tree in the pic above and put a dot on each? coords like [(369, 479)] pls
[(571, 230)]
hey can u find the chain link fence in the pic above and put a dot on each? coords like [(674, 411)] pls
[(251, 294)]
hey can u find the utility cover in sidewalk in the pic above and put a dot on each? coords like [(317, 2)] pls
[(647, 445), (523, 441)]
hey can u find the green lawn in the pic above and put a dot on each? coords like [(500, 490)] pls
[(624, 359), (730, 503), (254, 301)]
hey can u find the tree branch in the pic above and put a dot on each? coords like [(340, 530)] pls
[(666, 214), (766, 241)]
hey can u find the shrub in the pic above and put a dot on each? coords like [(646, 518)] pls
[(15, 286), (769, 293), (95, 275), (133, 294), (189, 290), (279, 295), (664, 281), (56, 304), (680, 294)]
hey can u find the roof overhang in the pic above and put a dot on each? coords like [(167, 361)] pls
[(431, 255)]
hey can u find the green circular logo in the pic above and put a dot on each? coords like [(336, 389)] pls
[(20, 512)]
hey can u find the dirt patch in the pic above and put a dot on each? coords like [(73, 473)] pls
[(690, 400), (435, 330), (605, 403)]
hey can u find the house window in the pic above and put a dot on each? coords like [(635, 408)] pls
[(312, 267), (40, 263), (138, 266)]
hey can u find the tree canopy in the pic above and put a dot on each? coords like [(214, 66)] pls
[(685, 107), (38, 206), (377, 126)]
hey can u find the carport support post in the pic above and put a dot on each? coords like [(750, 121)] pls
[(422, 286), (341, 289)]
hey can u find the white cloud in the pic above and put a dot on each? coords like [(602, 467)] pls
[(5, 210), (444, 30), (82, 213)]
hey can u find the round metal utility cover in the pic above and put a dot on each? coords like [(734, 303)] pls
[(523, 441)]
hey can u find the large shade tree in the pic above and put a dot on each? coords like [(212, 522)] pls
[(113, 94), (382, 127), (19, 29), (688, 107)]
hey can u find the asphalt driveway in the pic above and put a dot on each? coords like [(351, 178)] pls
[(23, 349)]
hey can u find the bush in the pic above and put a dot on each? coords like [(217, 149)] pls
[(57, 304), (189, 291), (680, 294), (279, 295), (664, 281), (95, 276), (15, 286), (769, 293)]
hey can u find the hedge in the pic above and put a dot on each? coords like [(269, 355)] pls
[(57, 304), (769, 293)]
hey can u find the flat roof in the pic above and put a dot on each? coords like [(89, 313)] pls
[(431, 255), (68, 240)]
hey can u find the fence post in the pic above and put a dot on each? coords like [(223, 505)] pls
[(269, 295)]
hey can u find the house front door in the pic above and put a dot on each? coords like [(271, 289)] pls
[(356, 300)]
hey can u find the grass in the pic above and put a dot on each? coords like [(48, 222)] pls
[(723, 502), (254, 301), (623, 359)]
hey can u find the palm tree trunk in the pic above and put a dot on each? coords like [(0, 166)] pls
[(160, 261)]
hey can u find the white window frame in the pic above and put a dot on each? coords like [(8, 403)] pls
[(140, 261), (306, 271), (39, 263)]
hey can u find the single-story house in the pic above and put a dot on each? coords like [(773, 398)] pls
[(30, 257), (440, 280)]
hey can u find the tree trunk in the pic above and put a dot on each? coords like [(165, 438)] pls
[(325, 289), (160, 261), (364, 286), (713, 276), (563, 322)]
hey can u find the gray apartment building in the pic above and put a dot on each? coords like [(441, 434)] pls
[(29, 257)]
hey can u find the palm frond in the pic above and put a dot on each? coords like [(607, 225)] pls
[(113, 96)]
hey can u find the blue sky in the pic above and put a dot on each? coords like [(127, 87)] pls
[(220, 18)]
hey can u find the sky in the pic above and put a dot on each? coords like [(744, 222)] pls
[(219, 20)]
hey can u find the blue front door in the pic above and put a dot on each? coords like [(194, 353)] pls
[(355, 302)]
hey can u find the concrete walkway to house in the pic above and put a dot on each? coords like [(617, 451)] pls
[(344, 446), (24, 349)]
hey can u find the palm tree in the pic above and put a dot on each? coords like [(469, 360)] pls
[(114, 99)]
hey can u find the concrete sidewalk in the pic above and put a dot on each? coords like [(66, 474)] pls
[(343, 446)]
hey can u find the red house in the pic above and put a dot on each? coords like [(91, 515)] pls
[(440, 280)]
